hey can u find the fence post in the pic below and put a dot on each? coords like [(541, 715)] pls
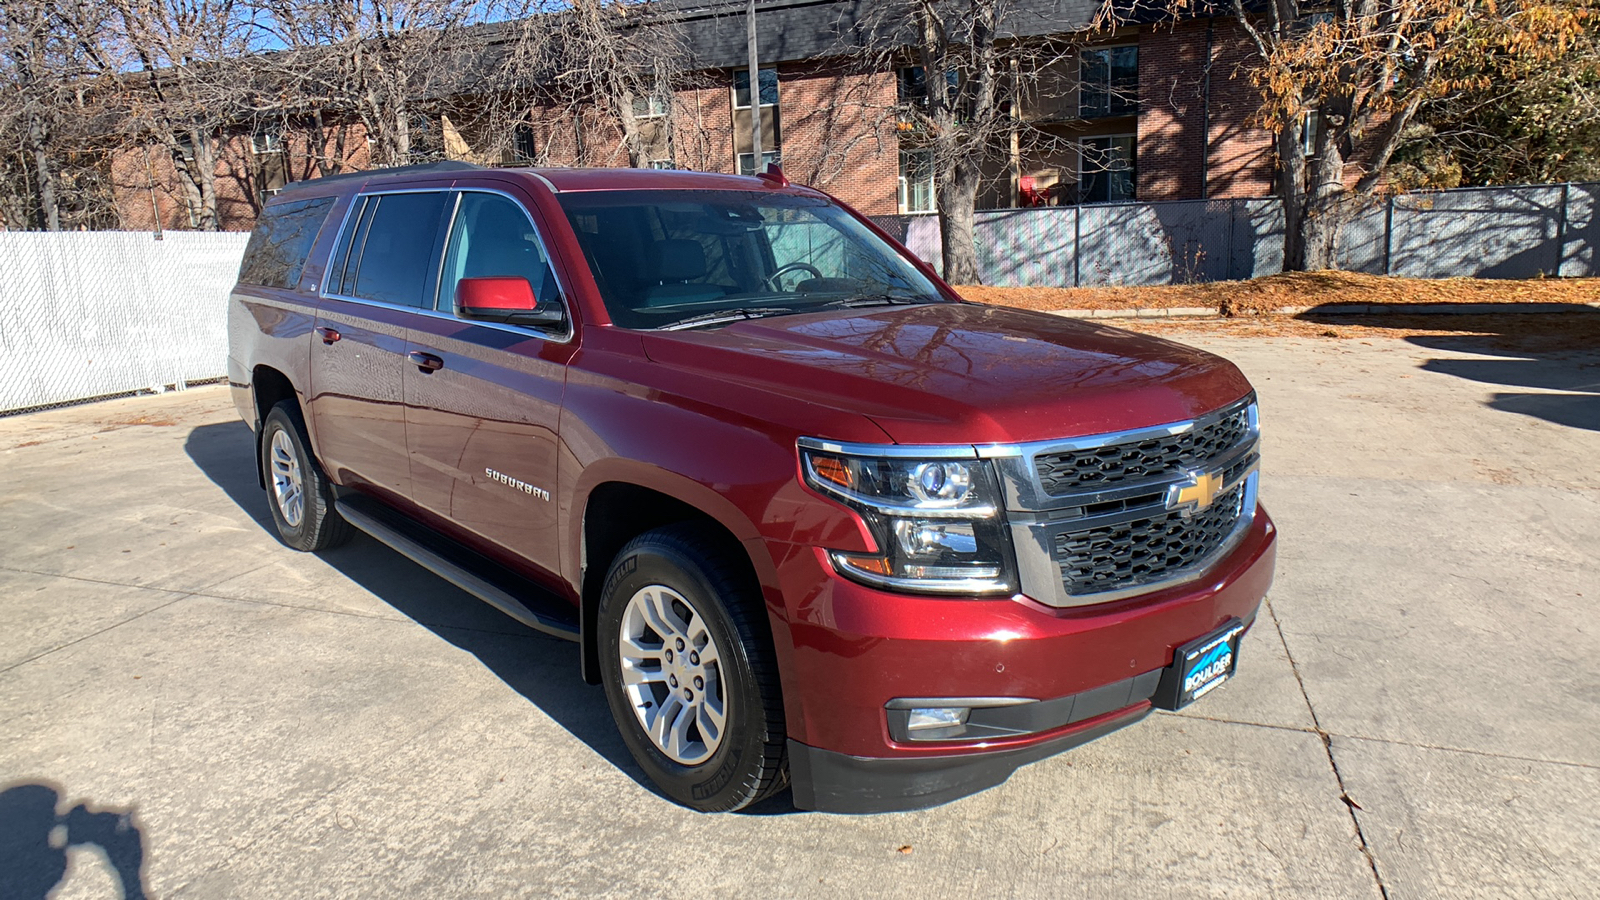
[(1233, 213), (1077, 244), (1561, 229), (1388, 236)]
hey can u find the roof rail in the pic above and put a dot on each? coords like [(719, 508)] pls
[(448, 165)]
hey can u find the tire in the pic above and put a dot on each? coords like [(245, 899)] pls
[(683, 580), (298, 492)]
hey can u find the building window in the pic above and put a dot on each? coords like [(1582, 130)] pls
[(747, 162), (1108, 171), (1310, 129), (916, 181), (524, 144), (911, 86), (264, 142), (741, 88), (1108, 82), (662, 164), (186, 147), (651, 107)]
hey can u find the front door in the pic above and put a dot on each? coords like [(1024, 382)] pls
[(482, 425), (375, 285)]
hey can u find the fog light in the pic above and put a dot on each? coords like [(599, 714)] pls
[(938, 718)]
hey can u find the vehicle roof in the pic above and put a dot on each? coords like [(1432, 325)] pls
[(564, 180), (560, 180)]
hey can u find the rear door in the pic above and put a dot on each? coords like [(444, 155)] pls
[(482, 426), (381, 274)]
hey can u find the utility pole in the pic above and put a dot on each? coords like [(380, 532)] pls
[(755, 89)]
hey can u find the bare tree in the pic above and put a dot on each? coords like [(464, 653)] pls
[(384, 63), (967, 69), (177, 60), (53, 152), (609, 69)]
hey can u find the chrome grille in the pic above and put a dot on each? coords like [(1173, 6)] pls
[(1097, 467), (1090, 518), (1144, 550)]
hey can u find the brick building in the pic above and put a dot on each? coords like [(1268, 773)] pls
[(1149, 112)]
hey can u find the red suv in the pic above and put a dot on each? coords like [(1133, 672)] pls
[(813, 519)]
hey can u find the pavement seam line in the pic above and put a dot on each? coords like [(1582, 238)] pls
[(257, 602), (181, 597), (1441, 748), (1327, 747)]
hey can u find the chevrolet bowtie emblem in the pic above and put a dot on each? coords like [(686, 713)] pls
[(1195, 493)]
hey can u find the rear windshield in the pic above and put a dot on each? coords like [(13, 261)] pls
[(282, 238), (684, 259)]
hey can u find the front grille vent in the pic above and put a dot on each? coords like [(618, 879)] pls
[(1097, 468), (1144, 550)]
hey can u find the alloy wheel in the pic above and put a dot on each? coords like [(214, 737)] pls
[(671, 674)]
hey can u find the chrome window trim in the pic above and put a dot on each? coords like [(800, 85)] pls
[(433, 312), (545, 181)]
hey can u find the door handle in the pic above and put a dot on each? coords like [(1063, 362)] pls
[(427, 362), (328, 335)]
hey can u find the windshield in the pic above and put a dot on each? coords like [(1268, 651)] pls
[(688, 259)]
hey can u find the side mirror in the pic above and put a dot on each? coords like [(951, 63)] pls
[(509, 300)]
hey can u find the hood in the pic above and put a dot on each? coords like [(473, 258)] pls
[(962, 373)]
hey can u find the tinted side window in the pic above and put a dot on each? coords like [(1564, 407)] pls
[(492, 236), (398, 251), (334, 282), (281, 239)]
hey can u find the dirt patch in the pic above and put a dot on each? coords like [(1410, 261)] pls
[(152, 421), (1294, 289)]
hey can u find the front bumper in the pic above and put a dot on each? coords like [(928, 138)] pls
[(853, 649)]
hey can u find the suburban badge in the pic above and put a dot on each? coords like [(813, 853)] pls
[(522, 486)]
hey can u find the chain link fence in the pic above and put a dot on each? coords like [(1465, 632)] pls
[(1516, 232), (93, 314)]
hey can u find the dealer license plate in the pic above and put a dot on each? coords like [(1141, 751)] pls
[(1200, 667)]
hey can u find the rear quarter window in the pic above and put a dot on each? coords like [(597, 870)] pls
[(281, 240), (399, 249)]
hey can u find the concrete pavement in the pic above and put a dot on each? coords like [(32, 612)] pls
[(1414, 715)]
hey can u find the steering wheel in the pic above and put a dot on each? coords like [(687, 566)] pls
[(772, 280)]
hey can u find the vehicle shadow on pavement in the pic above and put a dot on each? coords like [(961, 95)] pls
[(541, 668), (35, 837), (1565, 383), (1556, 354)]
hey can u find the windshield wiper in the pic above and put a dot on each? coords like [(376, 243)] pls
[(719, 316), (877, 300)]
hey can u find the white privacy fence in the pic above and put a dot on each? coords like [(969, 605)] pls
[(86, 314)]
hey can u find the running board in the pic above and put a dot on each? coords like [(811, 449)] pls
[(407, 539)]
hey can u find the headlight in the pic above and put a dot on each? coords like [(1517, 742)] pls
[(937, 522)]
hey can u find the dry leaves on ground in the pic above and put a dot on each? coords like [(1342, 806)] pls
[(1294, 289)]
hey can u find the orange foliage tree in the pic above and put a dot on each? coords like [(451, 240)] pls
[(1340, 82)]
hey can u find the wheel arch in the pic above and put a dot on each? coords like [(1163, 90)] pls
[(268, 388), (628, 501)]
